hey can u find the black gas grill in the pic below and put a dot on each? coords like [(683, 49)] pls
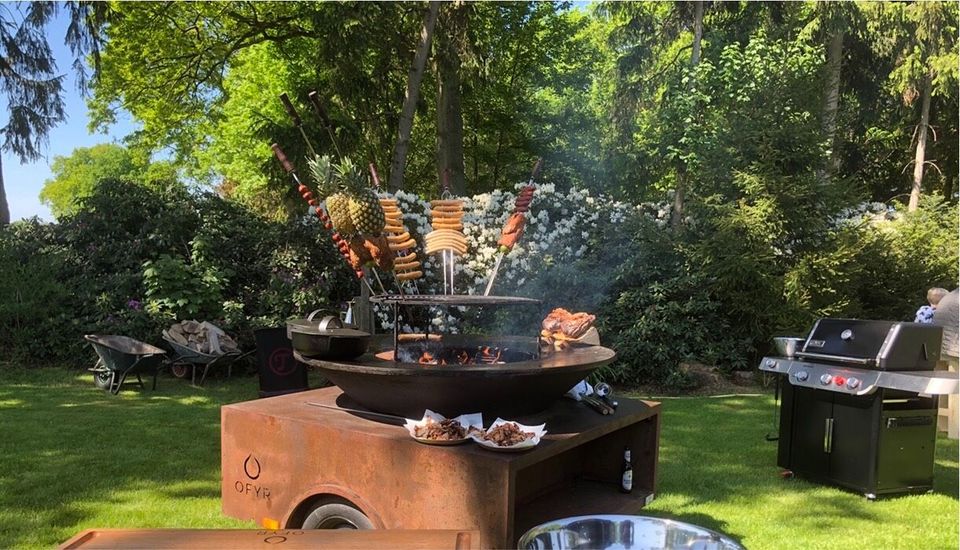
[(859, 410)]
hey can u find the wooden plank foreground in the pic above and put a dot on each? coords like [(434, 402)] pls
[(285, 539)]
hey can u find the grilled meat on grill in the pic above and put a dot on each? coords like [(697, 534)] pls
[(571, 325)]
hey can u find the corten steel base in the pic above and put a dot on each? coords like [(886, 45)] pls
[(281, 458)]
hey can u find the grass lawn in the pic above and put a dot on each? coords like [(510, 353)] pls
[(74, 457)]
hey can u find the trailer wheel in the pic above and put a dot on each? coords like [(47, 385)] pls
[(335, 515)]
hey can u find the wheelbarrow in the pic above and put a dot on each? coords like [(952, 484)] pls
[(186, 357), (119, 357)]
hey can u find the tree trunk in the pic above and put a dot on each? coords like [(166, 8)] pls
[(921, 146), (697, 32), (678, 198), (4, 209), (450, 120), (409, 109), (831, 103)]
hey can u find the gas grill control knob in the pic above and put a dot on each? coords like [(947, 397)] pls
[(801, 375), (771, 363), (826, 379), (853, 383), (846, 335)]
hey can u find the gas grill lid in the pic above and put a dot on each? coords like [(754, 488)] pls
[(884, 345)]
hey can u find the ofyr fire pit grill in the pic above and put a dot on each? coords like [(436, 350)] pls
[(404, 374)]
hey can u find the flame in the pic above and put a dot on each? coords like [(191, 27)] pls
[(483, 355), (488, 355)]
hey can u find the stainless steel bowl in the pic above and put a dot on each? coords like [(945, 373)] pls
[(788, 347), (610, 532)]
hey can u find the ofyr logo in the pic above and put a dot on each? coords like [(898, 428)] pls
[(281, 362), (252, 468)]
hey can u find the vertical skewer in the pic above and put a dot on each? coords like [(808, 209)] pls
[(314, 98), (505, 249), (447, 255), (453, 262), (377, 277), (297, 121)]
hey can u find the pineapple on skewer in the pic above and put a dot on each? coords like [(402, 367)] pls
[(338, 203), (365, 210)]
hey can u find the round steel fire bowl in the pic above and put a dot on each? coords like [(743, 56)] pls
[(508, 390)]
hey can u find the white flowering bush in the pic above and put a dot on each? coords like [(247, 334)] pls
[(563, 227)]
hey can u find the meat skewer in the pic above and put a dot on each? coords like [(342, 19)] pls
[(513, 229), (342, 245)]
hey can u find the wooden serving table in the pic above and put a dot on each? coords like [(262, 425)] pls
[(281, 458), (250, 539)]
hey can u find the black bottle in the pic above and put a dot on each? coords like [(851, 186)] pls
[(626, 475)]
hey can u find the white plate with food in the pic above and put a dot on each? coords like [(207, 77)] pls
[(509, 436), (435, 429)]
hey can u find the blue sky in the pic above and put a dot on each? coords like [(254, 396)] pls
[(24, 181)]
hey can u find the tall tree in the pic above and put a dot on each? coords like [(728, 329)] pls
[(33, 89), (409, 109), (833, 37), (76, 176), (680, 192), (180, 78), (450, 167), (29, 79), (922, 39)]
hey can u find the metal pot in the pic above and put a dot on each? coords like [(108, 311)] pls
[(328, 338), (612, 532), (788, 347)]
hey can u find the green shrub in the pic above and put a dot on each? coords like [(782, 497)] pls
[(132, 260), (878, 267), (182, 290), (719, 290), (31, 294)]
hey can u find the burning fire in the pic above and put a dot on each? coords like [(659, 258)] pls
[(485, 355)]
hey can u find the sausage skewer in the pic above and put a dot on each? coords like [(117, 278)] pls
[(399, 241), (513, 229)]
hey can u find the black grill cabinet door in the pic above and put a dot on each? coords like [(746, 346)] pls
[(853, 453), (811, 410)]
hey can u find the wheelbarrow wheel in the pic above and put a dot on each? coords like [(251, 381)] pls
[(103, 379), (179, 370)]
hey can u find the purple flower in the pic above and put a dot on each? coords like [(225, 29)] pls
[(134, 304)]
